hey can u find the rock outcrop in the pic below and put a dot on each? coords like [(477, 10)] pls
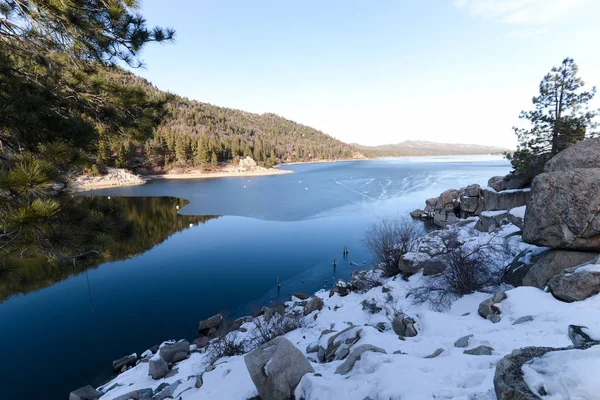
[(564, 211), (276, 368), (553, 262), (209, 327), (469, 201), (576, 284), (175, 352)]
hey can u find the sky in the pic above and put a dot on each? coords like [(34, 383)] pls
[(374, 72)]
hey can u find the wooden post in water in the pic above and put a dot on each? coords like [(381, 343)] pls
[(334, 261), (278, 283)]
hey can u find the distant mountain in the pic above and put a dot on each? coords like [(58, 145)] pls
[(424, 148)]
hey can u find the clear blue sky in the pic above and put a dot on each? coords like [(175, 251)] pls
[(374, 72)]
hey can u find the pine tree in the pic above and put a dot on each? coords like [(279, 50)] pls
[(561, 117)]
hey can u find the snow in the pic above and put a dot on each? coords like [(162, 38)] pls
[(451, 375), (518, 211), (569, 374), (589, 268), (493, 213)]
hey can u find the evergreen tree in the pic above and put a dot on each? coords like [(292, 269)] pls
[(561, 117)]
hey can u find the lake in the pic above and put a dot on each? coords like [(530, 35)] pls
[(205, 246)]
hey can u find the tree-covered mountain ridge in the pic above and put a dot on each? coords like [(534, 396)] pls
[(426, 148), (198, 134)]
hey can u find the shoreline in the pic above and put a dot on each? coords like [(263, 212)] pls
[(131, 179)]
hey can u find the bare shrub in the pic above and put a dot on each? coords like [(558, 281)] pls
[(227, 345), (278, 325), (388, 239), (470, 267)]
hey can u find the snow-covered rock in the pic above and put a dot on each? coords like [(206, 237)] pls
[(276, 368)]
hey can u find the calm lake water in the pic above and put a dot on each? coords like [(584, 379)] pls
[(61, 337)]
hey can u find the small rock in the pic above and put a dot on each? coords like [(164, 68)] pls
[(523, 319), (199, 381), (463, 341), (201, 342), (480, 351), (435, 353), (314, 304), (380, 326), (312, 348), (85, 393), (355, 356), (341, 287)]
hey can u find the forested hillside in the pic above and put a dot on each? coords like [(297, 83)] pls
[(191, 133)]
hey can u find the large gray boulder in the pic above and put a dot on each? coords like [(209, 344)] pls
[(173, 352), (575, 284), (276, 368), (582, 155), (354, 356), (505, 200), (85, 393), (157, 368), (404, 326), (563, 211), (346, 337), (553, 262)]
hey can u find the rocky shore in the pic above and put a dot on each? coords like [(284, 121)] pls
[(116, 177), (531, 332)]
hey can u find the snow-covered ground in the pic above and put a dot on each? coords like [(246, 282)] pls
[(404, 372)]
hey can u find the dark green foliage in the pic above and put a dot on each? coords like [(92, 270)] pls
[(561, 117)]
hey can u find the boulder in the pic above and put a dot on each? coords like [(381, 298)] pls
[(433, 267), (436, 353), (576, 284), (490, 221), (418, 214), (273, 311), (472, 190), (505, 200), (404, 326), (85, 393), (445, 217), (157, 368), (563, 211), (497, 183), (300, 296), (552, 262), (347, 337), (205, 326), (201, 342), (582, 155), (341, 287), (171, 352), (518, 268), (509, 383), (412, 262), (314, 304), (480, 351), (488, 309), (167, 392), (355, 356), (276, 368), (138, 394), (463, 341), (127, 361)]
